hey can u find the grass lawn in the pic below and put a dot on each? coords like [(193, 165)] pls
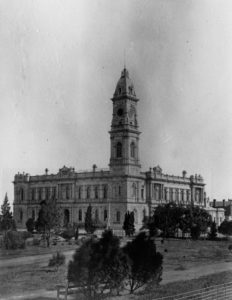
[(178, 255), (184, 254)]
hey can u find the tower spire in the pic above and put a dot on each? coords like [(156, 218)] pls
[(124, 58)]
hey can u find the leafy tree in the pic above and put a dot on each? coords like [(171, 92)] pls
[(6, 221), (145, 263), (89, 223), (166, 218), (49, 218), (128, 225), (30, 224), (225, 228), (200, 218), (170, 217), (213, 231), (98, 266)]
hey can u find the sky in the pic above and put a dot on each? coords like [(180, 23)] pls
[(60, 62)]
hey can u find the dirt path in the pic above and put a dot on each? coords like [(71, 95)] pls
[(41, 260), (196, 272), (169, 276)]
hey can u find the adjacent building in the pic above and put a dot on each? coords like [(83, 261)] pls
[(114, 191)]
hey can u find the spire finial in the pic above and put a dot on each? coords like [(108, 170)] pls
[(124, 58)]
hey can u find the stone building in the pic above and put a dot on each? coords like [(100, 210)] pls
[(114, 191)]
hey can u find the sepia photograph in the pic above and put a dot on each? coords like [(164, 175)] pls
[(116, 150)]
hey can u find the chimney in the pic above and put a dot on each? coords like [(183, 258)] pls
[(184, 173), (214, 202), (46, 171), (224, 202)]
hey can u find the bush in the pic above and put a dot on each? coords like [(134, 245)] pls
[(36, 241), (13, 240), (26, 234), (57, 260), (68, 234)]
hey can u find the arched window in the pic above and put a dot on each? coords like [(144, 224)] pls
[(80, 215), (119, 150), (105, 215), (118, 216), (96, 192), (88, 192), (132, 149), (105, 192)]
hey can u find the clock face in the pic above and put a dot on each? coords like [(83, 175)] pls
[(120, 112)]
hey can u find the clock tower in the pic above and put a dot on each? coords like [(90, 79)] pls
[(124, 134)]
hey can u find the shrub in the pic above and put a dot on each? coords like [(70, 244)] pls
[(36, 241), (68, 234), (57, 260), (26, 234), (13, 240)]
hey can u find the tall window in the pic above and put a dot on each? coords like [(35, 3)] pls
[(21, 216), (118, 216), (47, 193), (182, 195), (88, 192), (53, 192), (119, 149), (33, 194), (119, 190), (96, 215), (79, 192), (80, 215), (132, 149), (33, 214), (40, 193), (142, 192), (105, 214), (21, 194), (105, 192), (96, 192)]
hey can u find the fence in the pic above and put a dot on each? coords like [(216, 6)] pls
[(217, 292)]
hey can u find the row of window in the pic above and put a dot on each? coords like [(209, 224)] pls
[(65, 192)]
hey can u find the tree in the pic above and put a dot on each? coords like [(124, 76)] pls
[(30, 224), (170, 217), (49, 218), (89, 223), (6, 222), (144, 262), (213, 231), (98, 266), (166, 218), (225, 228), (128, 225)]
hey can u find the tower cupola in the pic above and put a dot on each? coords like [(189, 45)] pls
[(125, 86)]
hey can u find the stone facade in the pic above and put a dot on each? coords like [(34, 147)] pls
[(114, 191)]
